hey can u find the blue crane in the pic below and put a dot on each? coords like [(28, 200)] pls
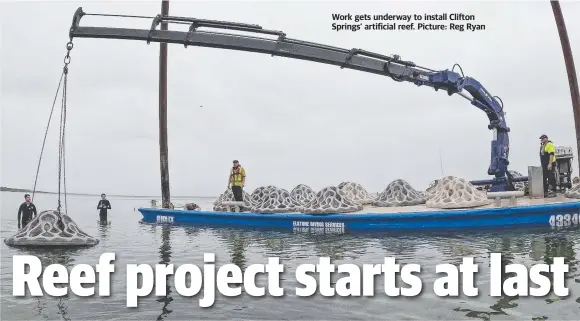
[(356, 59)]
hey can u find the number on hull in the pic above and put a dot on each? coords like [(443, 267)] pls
[(564, 220)]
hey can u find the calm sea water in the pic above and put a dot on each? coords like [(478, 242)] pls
[(135, 242)]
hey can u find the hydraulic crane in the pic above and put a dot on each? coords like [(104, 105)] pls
[(357, 59)]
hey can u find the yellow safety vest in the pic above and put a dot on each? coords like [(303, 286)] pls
[(546, 150), (237, 175)]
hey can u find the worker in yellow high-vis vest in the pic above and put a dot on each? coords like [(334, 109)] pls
[(548, 160), (237, 181)]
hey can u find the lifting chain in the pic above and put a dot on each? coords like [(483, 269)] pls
[(61, 149)]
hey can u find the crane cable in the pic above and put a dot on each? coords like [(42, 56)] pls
[(46, 134), (61, 148)]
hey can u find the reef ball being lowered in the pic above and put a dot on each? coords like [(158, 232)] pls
[(399, 193), (331, 200), (50, 228), (276, 201), (303, 194), (356, 193), (452, 192)]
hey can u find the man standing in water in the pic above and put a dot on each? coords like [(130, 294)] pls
[(25, 211), (237, 180), (103, 206)]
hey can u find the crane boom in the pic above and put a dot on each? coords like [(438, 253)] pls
[(356, 59)]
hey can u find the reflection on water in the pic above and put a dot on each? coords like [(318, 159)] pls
[(454, 248), (103, 229), (135, 242), (236, 244), (505, 302), (165, 256), (64, 257), (40, 309), (544, 248), (560, 246)]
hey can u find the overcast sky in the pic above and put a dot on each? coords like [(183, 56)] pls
[(287, 121)]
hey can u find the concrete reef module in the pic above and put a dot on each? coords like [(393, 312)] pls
[(447, 193), (51, 228)]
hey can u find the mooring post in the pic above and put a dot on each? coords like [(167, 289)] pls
[(569, 61), (163, 150)]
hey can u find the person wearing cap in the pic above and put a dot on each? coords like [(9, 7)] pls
[(548, 160), (237, 181)]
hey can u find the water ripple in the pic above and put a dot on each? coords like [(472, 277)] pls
[(135, 242)]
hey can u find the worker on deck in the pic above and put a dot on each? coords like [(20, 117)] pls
[(103, 206), (237, 181), (548, 160), (26, 212)]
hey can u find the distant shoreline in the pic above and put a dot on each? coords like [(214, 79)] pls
[(23, 190)]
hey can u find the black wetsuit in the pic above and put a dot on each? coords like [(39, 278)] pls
[(26, 211), (103, 206)]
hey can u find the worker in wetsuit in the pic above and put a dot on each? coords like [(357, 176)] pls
[(237, 180), (26, 212), (548, 161), (103, 206)]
